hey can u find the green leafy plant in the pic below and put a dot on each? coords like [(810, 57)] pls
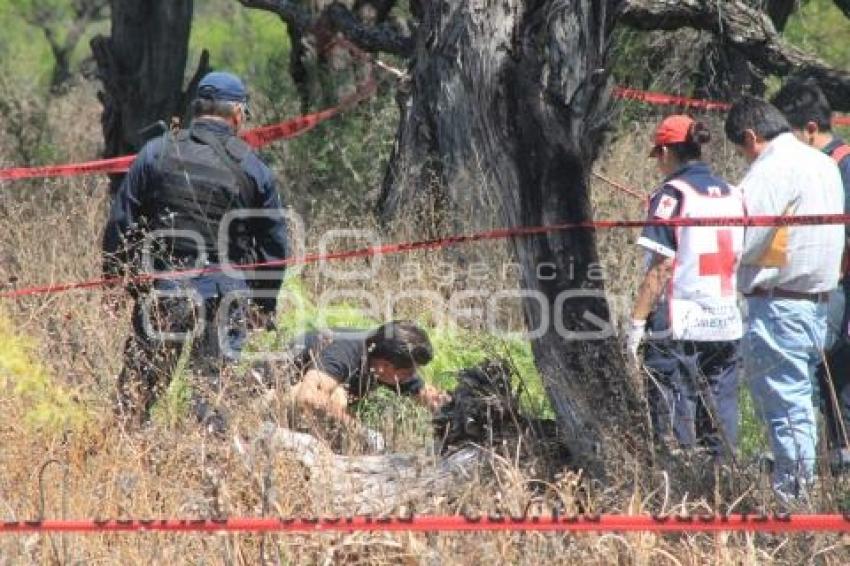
[(46, 405)]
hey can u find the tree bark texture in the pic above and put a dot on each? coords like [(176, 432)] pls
[(141, 66), (507, 109)]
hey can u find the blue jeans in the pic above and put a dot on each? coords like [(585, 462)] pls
[(781, 348)]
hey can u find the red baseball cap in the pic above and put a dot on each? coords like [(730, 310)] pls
[(672, 129)]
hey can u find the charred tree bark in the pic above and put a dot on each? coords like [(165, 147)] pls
[(507, 109), (725, 75), (141, 67), (559, 111), (297, 66)]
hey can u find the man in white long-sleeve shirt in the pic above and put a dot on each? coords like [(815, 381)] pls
[(786, 275)]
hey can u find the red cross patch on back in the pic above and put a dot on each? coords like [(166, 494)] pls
[(721, 263)]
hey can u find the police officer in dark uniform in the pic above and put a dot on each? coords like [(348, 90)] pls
[(199, 198)]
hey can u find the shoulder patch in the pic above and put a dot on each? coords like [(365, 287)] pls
[(666, 207)]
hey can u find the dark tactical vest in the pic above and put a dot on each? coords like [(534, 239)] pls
[(201, 182)]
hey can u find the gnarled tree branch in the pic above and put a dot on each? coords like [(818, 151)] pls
[(292, 13), (381, 37), (747, 29)]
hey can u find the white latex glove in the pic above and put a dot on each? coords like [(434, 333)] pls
[(637, 329), (374, 440)]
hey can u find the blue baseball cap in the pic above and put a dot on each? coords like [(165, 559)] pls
[(219, 85)]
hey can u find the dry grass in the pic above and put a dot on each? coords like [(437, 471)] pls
[(172, 470)]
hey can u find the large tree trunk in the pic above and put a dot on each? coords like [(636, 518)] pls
[(507, 108), (142, 66)]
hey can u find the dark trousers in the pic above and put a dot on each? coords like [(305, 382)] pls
[(693, 393), (833, 380), (210, 312), (836, 382)]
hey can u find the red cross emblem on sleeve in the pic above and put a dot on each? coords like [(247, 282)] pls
[(721, 263), (666, 206)]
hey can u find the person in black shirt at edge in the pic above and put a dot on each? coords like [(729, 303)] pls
[(339, 367)]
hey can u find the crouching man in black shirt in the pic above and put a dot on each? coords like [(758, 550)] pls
[(339, 367)]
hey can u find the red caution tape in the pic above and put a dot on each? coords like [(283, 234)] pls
[(663, 99), (256, 138), (113, 165), (261, 136), (621, 187), (447, 523), (441, 243)]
